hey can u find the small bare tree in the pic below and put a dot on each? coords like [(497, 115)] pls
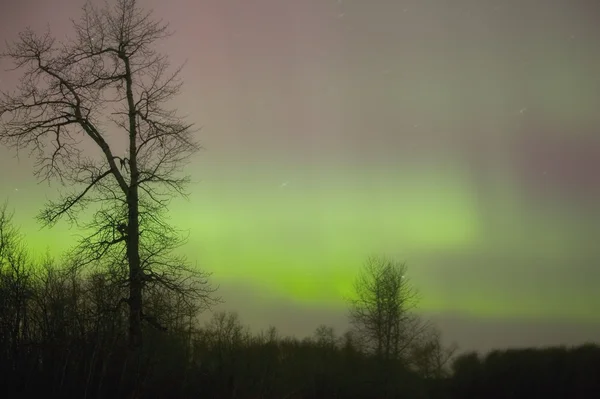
[(430, 357), (381, 311), (106, 88)]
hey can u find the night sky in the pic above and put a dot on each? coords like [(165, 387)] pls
[(460, 136)]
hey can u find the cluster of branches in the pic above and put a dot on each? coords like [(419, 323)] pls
[(63, 334), (63, 327), (63, 331)]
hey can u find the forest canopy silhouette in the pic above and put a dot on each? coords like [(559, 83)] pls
[(118, 315), (63, 333)]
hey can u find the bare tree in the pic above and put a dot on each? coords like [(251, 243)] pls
[(15, 287), (381, 311), (430, 357), (325, 337), (225, 330), (107, 86)]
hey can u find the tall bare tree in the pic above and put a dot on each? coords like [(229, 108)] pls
[(382, 309), (107, 88)]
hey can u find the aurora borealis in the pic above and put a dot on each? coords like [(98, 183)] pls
[(461, 136)]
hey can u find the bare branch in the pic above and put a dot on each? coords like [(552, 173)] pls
[(55, 210)]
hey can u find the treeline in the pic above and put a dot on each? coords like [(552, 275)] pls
[(554, 372), (61, 335), (64, 333)]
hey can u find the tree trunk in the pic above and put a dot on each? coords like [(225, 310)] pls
[(136, 277), (136, 281)]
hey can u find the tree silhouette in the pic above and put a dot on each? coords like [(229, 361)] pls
[(107, 86), (381, 312), (429, 356), (15, 279), (61, 336)]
